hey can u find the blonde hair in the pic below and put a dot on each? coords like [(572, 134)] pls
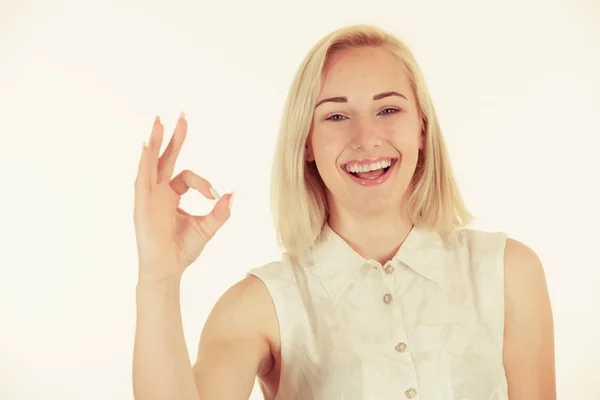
[(298, 194)]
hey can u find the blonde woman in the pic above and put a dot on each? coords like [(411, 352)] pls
[(382, 292)]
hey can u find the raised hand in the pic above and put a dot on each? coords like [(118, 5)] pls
[(168, 238)]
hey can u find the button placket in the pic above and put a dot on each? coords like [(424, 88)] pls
[(387, 270), (392, 295)]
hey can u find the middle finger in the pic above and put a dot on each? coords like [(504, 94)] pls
[(166, 164)]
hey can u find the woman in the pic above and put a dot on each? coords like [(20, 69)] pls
[(382, 292)]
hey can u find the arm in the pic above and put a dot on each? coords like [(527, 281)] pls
[(161, 365), (233, 345), (529, 332)]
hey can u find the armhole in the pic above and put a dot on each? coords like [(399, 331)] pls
[(274, 294), (274, 276), (502, 238), (489, 266)]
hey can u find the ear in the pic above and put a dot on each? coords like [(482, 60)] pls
[(422, 140), (308, 153)]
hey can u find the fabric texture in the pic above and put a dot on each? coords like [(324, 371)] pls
[(427, 325)]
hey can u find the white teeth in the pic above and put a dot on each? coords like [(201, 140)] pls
[(368, 167)]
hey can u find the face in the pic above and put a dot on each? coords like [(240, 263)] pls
[(366, 131)]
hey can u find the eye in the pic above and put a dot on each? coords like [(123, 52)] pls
[(333, 117), (389, 110), (385, 111)]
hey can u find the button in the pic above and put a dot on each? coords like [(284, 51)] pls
[(387, 298), (389, 269), (410, 393), (400, 347)]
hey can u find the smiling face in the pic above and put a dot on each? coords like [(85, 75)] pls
[(366, 131)]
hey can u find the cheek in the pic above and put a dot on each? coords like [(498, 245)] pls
[(406, 139), (403, 131), (327, 148), (408, 143)]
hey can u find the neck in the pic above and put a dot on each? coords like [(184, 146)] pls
[(373, 236)]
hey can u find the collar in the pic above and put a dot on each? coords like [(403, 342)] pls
[(337, 264)]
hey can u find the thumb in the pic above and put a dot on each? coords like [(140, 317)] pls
[(218, 216)]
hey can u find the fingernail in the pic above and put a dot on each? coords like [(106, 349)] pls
[(231, 200), (214, 193), (144, 145), (181, 115)]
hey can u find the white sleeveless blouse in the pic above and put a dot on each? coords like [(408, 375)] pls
[(427, 325)]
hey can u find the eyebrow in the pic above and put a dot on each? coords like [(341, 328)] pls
[(343, 99)]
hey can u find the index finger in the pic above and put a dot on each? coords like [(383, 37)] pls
[(188, 180)]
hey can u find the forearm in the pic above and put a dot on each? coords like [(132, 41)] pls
[(161, 364)]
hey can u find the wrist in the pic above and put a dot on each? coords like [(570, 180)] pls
[(152, 282)]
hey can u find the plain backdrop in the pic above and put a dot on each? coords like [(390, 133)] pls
[(515, 85)]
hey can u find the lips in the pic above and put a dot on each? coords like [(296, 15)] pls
[(359, 174)]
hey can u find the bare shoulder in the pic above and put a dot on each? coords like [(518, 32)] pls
[(520, 258), (526, 291), (236, 342), (528, 337), (246, 299), (244, 310)]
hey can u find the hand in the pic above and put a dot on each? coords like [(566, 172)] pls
[(169, 239)]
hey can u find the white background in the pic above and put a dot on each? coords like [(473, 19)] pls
[(517, 91)]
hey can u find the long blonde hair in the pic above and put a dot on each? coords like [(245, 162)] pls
[(298, 194)]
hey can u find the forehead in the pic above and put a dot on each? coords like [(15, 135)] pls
[(368, 68)]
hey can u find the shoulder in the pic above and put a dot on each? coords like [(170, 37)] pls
[(243, 318), (529, 328), (238, 337), (273, 270), (526, 292), (484, 249), (474, 238), (524, 274), (248, 306), (525, 289), (523, 269), (251, 297), (242, 306), (254, 298)]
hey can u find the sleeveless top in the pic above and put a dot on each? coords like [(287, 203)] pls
[(426, 325)]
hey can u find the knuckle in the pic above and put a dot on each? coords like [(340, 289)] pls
[(187, 174)]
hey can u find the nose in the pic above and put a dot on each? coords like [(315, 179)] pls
[(365, 137)]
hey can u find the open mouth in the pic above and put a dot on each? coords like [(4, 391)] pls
[(368, 174)]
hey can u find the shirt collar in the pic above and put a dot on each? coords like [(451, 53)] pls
[(337, 264)]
